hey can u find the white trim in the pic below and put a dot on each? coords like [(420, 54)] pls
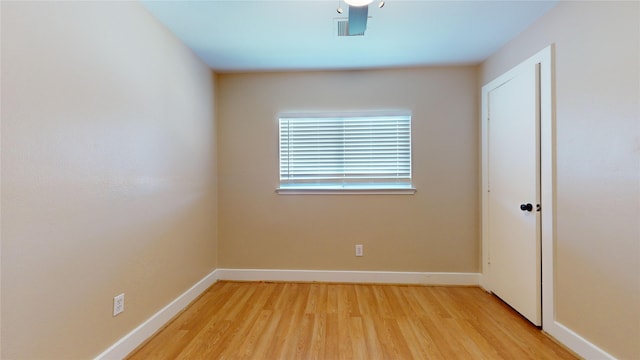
[(380, 191), (380, 277), (566, 336), (330, 114), (299, 140), (137, 336), (576, 343), (132, 340), (547, 181), (547, 174), (482, 282)]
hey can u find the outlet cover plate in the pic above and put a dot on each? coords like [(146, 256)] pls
[(118, 304)]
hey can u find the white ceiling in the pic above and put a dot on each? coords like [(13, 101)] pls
[(265, 35)]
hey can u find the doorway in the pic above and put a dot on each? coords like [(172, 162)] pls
[(518, 187)]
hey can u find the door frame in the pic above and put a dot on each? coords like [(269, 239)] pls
[(545, 59)]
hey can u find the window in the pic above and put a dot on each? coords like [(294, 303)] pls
[(361, 153)]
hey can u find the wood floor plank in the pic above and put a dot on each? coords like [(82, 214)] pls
[(251, 318), (418, 349), (400, 347), (343, 333), (267, 338), (247, 347), (303, 335), (358, 340), (332, 337), (317, 348), (244, 320), (374, 348)]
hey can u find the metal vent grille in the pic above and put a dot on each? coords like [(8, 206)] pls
[(342, 28)]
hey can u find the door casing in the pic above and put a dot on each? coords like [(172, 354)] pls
[(544, 59)]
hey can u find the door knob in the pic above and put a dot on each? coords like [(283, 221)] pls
[(526, 207)]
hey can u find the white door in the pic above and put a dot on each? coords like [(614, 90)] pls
[(514, 192)]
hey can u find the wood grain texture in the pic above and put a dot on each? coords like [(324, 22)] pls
[(256, 320)]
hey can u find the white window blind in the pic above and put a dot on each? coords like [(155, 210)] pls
[(353, 152)]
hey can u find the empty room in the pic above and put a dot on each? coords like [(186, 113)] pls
[(320, 179)]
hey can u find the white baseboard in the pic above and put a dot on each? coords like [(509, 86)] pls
[(138, 335), (145, 330), (566, 336), (382, 277), (576, 343)]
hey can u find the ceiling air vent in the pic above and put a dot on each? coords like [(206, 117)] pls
[(342, 27)]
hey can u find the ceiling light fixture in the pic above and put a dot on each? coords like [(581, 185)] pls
[(358, 2), (381, 4), (339, 9)]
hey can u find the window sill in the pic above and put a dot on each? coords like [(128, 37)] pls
[(345, 191)]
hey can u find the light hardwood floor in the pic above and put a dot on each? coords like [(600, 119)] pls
[(254, 320)]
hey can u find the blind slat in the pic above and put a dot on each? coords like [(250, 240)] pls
[(348, 149)]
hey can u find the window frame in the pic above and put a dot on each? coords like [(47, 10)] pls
[(348, 187)]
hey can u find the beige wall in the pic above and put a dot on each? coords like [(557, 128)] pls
[(434, 230), (598, 171), (108, 174)]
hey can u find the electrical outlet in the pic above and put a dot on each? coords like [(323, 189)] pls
[(118, 304), (359, 250)]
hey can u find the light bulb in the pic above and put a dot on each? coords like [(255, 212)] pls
[(358, 2)]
